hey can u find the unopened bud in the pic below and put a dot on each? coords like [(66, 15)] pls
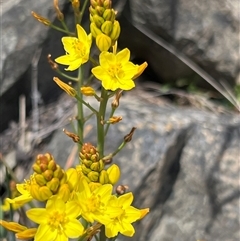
[(107, 27), (58, 173), (67, 88), (64, 192), (44, 193), (113, 174), (93, 176), (88, 91), (85, 170), (93, 3), (52, 165), (115, 31), (86, 162), (92, 11), (128, 137), (72, 178), (26, 234), (115, 102), (41, 181), (48, 174), (41, 19), (12, 226), (60, 15), (103, 177), (103, 42), (36, 168), (114, 119), (53, 185), (98, 20), (74, 137), (53, 65), (95, 31), (95, 166), (109, 15), (107, 3), (100, 10)]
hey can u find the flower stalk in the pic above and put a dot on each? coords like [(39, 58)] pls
[(80, 202)]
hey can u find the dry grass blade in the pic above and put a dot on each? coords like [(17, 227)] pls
[(227, 93)]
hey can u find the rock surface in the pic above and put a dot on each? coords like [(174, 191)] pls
[(182, 163), (206, 32)]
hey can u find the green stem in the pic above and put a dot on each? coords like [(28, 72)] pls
[(66, 76), (83, 10), (64, 25), (100, 118), (111, 155), (61, 30), (108, 124), (80, 116), (102, 234), (86, 104)]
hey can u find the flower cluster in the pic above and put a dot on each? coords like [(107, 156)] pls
[(81, 201)]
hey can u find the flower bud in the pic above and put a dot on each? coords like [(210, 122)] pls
[(115, 31), (52, 165), (93, 176), (98, 20), (34, 191), (43, 167), (107, 3), (93, 3), (26, 234), (109, 15), (36, 168), (88, 91), (67, 88), (92, 12), (103, 177), (41, 181), (113, 174), (95, 30), (53, 185), (103, 42), (87, 163), (44, 193), (95, 166), (114, 119), (12, 226), (48, 174), (58, 173), (107, 27), (85, 170), (64, 192), (41, 19), (72, 178), (100, 10)]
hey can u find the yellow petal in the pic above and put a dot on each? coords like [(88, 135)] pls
[(74, 229), (82, 36), (123, 56)]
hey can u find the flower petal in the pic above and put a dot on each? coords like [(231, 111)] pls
[(127, 229), (45, 233), (126, 199), (69, 43), (123, 56), (74, 229), (37, 215), (82, 36)]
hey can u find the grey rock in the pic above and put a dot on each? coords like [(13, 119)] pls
[(204, 31), (182, 163)]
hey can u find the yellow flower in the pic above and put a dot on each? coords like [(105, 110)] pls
[(77, 49), (25, 196), (116, 71), (122, 216), (93, 204), (57, 221), (12, 226)]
